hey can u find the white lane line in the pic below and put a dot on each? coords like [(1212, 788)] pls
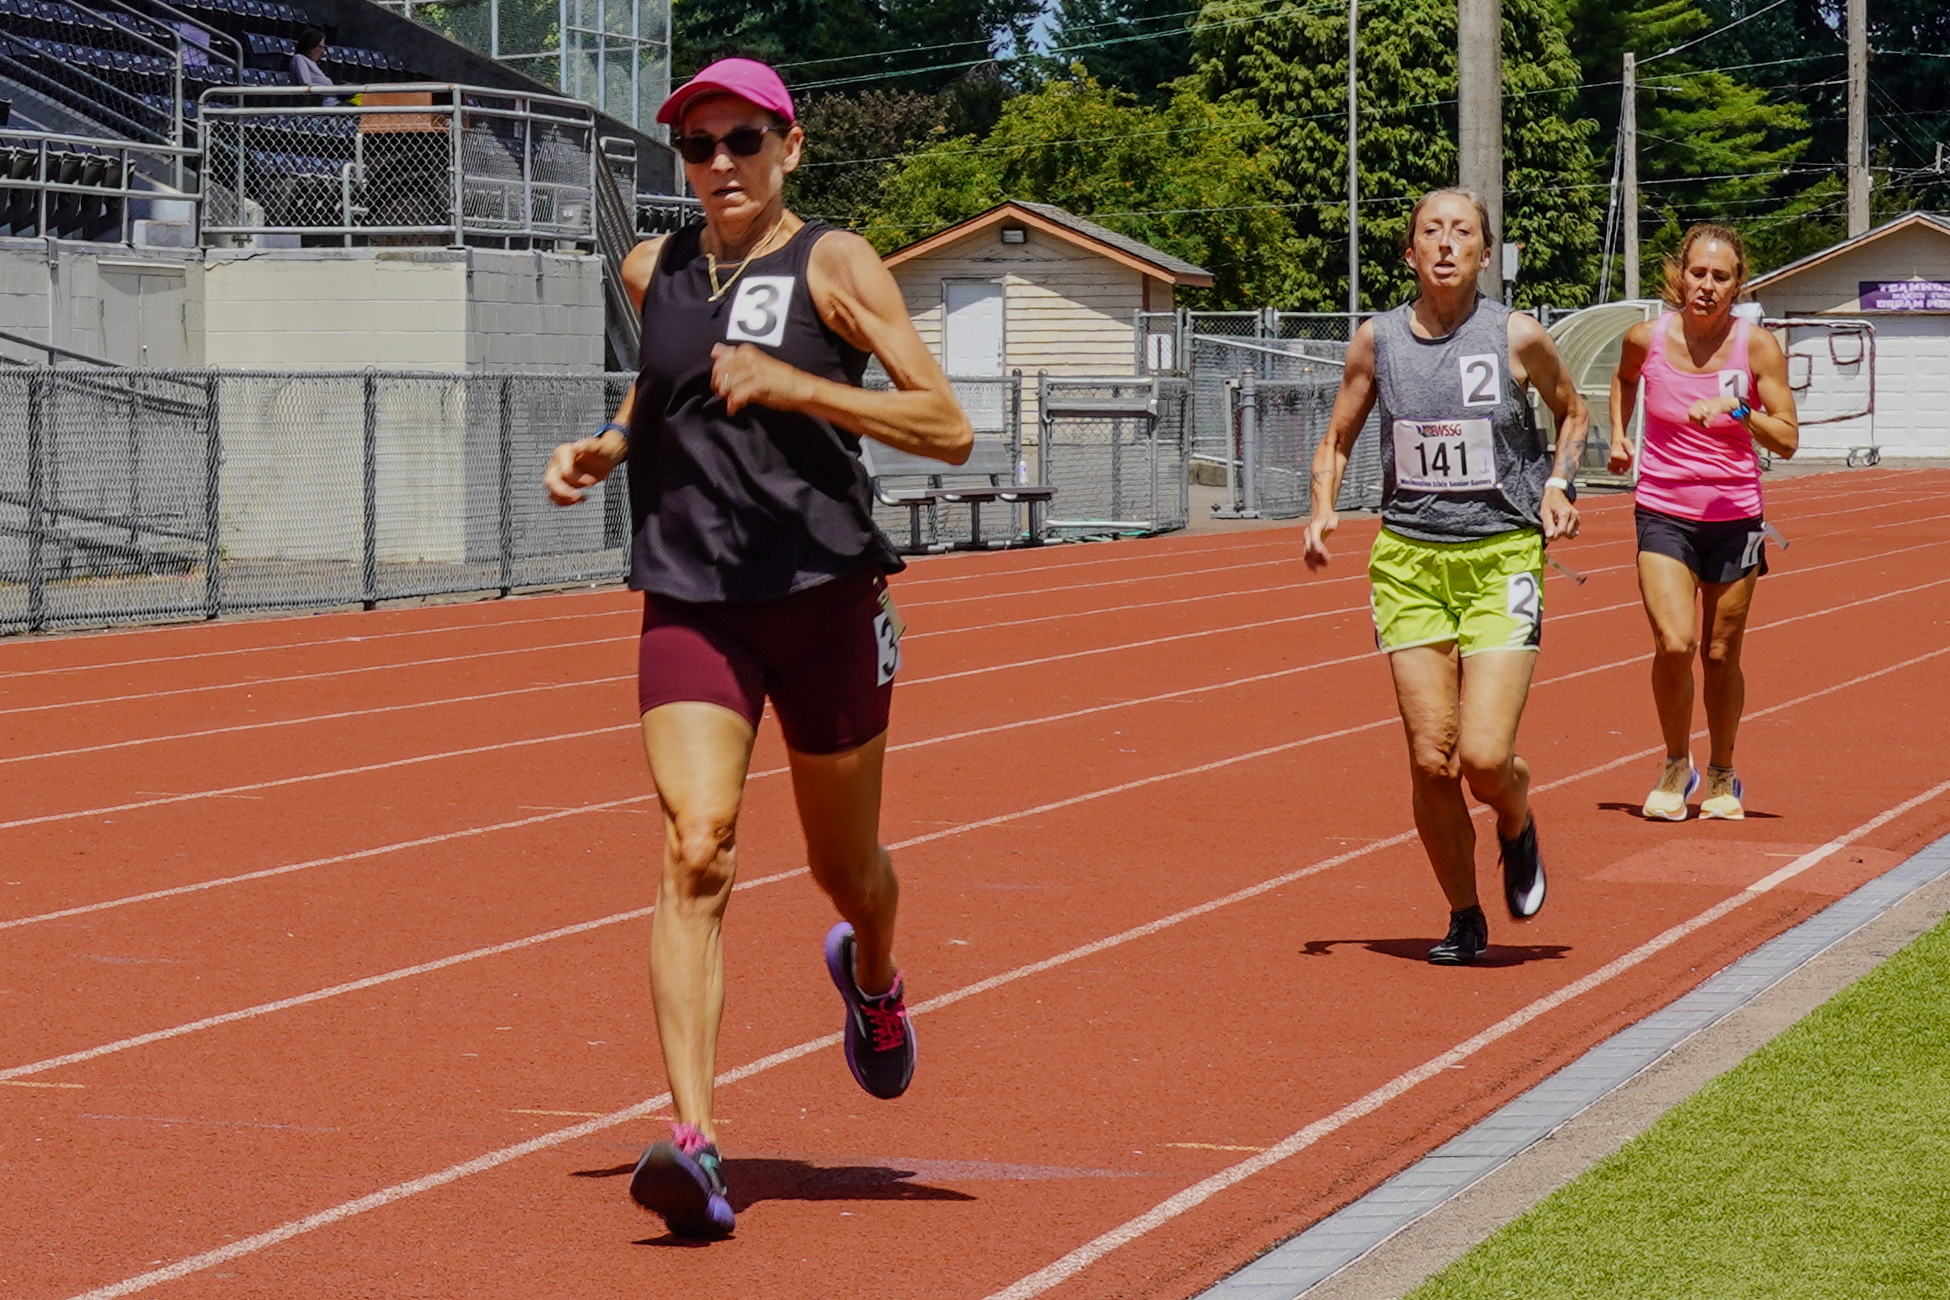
[(351, 986), (1198, 1193), (251, 682), (911, 636), (338, 716), (234, 790), (475, 629), (1318, 582), (935, 740), (1081, 1258), (1250, 891)]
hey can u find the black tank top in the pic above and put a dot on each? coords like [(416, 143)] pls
[(753, 506)]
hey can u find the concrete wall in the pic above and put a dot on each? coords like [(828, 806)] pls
[(1912, 373), (535, 311), (131, 306)]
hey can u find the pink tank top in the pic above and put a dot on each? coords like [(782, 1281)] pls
[(1708, 474)]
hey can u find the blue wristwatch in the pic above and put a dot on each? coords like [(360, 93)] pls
[(1739, 412), (623, 429)]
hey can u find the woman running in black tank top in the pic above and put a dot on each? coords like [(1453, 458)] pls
[(763, 576)]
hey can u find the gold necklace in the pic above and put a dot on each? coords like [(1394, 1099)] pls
[(711, 263)]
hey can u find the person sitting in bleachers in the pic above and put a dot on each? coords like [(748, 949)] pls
[(305, 60)]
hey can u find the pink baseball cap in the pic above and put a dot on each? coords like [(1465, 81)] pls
[(746, 78)]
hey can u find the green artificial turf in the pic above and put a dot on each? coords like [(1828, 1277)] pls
[(1819, 1169)]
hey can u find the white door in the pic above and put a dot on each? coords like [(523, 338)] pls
[(971, 347)]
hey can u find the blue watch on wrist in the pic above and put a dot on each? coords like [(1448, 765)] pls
[(623, 429), (1741, 411)]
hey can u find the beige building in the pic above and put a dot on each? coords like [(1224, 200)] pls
[(1897, 277), (1028, 286)]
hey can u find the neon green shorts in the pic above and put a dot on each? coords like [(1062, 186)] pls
[(1482, 595)]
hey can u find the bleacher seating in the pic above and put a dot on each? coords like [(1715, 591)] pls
[(902, 479), (70, 214)]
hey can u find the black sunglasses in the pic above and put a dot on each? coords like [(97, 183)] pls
[(740, 142)]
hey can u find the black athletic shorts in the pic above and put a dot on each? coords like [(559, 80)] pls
[(1721, 550)]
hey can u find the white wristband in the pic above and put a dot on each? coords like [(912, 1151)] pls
[(1562, 485)]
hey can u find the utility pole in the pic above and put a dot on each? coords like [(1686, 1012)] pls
[(1628, 145), (1479, 104), (1353, 174), (1858, 117)]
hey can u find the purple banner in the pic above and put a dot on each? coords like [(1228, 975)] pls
[(1904, 295)]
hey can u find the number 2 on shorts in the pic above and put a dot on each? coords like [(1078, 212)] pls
[(1522, 601)]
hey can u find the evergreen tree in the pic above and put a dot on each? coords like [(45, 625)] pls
[(1176, 177), (852, 44), (1284, 64), (1133, 45)]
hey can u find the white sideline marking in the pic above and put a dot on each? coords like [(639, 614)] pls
[(1198, 1193), (1077, 1260)]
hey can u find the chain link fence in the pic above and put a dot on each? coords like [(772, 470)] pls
[(1279, 424), (144, 496), (406, 163), (1116, 449)]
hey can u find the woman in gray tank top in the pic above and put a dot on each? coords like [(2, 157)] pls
[(1470, 495)]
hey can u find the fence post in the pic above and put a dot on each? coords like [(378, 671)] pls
[(507, 499), (1140, 322), (1249, 444), (1151, 438), (369, 560), (212, 503), (36, 502)]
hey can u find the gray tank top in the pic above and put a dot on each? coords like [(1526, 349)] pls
[(1460, 452)]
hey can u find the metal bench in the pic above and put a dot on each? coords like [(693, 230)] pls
[(903, 479)]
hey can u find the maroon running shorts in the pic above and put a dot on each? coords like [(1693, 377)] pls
[(826, 656)]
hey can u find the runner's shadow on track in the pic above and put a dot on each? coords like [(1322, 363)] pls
[(1637, 813), (1417, 950), (755, 1180)]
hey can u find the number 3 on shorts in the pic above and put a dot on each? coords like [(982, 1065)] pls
[(887, 644)]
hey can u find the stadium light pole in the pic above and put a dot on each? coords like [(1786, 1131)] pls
[(1479, 103), (1353, 174)]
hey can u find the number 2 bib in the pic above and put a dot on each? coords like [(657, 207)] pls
[(1444, 455)]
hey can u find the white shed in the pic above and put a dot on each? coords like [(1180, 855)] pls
[(1897, 277), (1028, 286)]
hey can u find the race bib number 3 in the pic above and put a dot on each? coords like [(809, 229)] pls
[(1444, 455), (758, 313)]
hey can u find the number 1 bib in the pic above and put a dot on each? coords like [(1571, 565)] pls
[(1444, 455)]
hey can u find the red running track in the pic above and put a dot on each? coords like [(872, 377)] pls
[(322, 938)]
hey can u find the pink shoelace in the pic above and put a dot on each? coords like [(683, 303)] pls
[(887, 1018), (687, 1138)]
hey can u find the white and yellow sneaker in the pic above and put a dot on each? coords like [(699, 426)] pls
[(1723, 791), (1667, 802)]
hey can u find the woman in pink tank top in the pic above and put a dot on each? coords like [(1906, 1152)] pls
[(1714, 387)]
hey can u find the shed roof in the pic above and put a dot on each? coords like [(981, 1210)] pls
[(1936, 223), (1069, 227)]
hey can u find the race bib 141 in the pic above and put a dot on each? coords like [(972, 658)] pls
[(1444, 455)]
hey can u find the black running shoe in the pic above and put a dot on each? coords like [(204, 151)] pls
[(879, 1036), (1523, 873), (1469, 934), (683, 1180)]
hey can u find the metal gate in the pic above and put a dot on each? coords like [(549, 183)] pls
[(1116, 450)]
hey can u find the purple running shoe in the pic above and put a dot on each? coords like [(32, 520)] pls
[(879, 1036), (683, 1180)]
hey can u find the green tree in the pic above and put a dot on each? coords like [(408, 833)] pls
[(854, 142), (1134, 45), (852, 44), (1188, 177), (1713, 145), (1284, 65)]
